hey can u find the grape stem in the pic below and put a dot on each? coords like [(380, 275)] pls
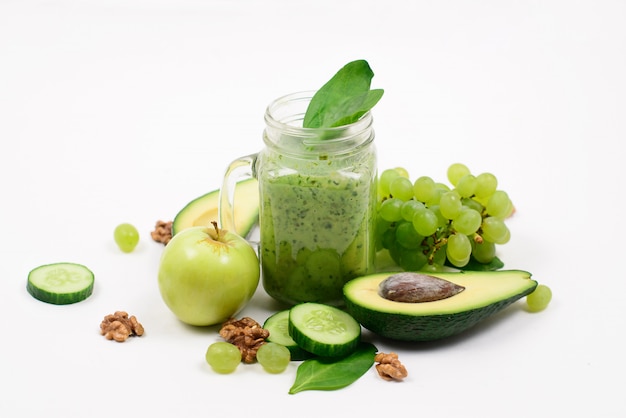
[(478, 239), (437, 245)]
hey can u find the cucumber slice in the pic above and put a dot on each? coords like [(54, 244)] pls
[(60, 283), (324, 330), (278, 327)]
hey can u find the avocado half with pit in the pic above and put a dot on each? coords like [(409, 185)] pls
[(472, 297), (203, 210)]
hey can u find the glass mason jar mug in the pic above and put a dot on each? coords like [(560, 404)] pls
[(317, 190)]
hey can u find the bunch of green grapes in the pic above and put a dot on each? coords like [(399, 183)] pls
[(426, 224)]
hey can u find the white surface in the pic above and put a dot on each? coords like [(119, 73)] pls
[(125, 110)]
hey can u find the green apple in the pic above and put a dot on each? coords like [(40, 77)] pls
[(207, 275)]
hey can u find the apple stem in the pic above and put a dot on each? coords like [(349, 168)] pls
[(217, 230)]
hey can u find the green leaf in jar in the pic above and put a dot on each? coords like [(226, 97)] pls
[(344, 98), (331, 374)]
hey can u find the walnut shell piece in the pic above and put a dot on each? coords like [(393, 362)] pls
[(162, 232), (119, 326), (246, 334), (389, 366)]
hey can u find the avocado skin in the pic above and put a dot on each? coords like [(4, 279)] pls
[(404, 327), (485, 294)]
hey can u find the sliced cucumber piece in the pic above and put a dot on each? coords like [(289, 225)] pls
[(60, 283), (324, 330), (278, 327)]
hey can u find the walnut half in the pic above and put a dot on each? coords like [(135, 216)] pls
[(245, 333), (162, 232), (389, 367), (119, 326)]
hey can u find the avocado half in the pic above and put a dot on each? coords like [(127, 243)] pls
[(485, 294), (203, 210)]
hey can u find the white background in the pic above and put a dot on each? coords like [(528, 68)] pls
[(123, 111)]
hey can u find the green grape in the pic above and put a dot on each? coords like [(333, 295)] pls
[(407, 236), (381, 226), (408, 209), (273, 357), (459, 263), (441, 220), (402, 171), (539, 299), (401, 188), (467, 222), (499, 204), (432, 268), (456, 171), (411, 260), (472, 204), (436, 260), (391, 209), (388, 238), (436, 196), (443, 187), (440, 256), (450, 204), (424, 188), (506, 237), (486, 185), (223, 357), (494, 230), (126, 237), (483, 252), (425, 222), (384, 180), (458, 249), (394, 252), (466, 185)]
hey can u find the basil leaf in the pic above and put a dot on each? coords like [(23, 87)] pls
[(344, 98), (330, 374), (357, 107)]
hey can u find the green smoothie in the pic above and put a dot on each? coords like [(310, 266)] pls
[(316, 234)]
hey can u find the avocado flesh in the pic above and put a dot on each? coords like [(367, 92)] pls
[(204, 209), (485, 294)]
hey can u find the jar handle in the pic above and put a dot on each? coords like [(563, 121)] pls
[(242, 166)]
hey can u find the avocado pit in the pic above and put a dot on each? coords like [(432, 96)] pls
[(411, 287)]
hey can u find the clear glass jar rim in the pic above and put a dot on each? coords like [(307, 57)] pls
[(285, 123)]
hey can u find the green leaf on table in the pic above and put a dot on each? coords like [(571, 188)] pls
[(331, 374), (344, 98)]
